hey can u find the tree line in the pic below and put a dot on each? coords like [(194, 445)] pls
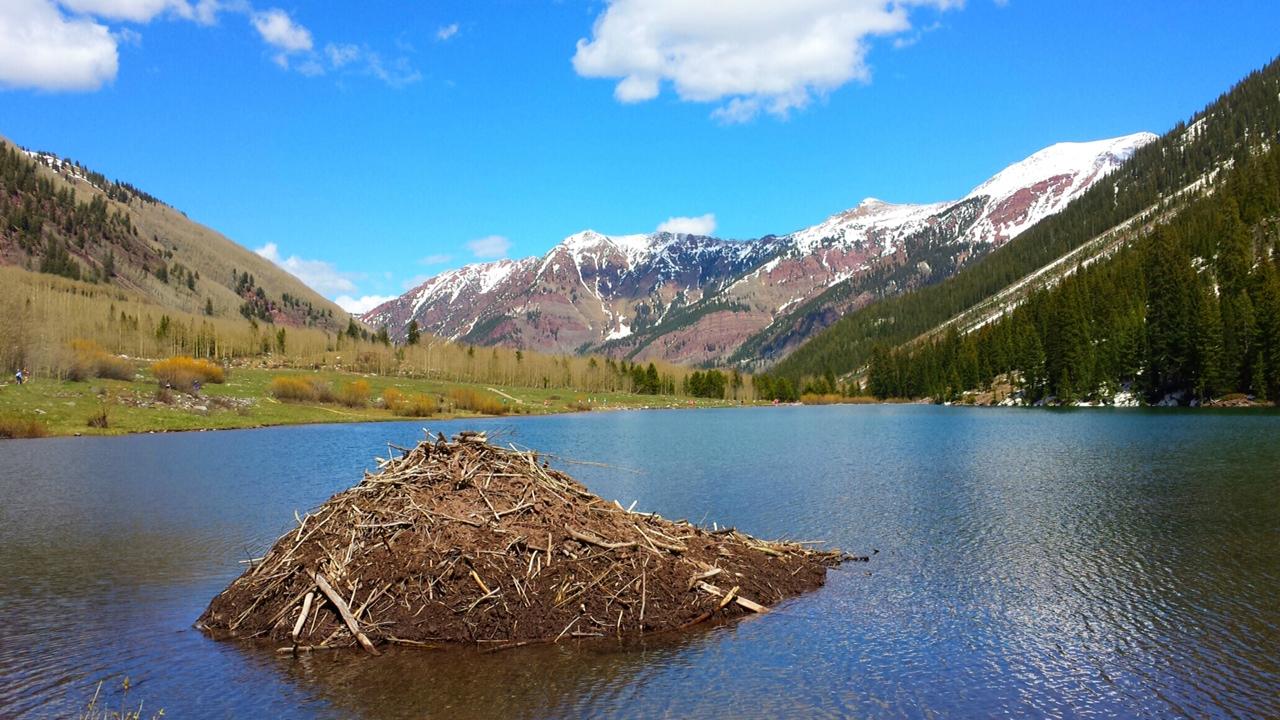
[(1191, 310), (1230, 130)]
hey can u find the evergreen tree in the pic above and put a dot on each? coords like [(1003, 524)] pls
[(651, 379), (1208, 346), (1030, 359), (1269, 327), (1170, 282)]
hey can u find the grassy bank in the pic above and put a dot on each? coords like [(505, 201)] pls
[(45, 406)]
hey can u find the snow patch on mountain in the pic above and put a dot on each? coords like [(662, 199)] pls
[(871, 216), (1086, 161), (540, 303)]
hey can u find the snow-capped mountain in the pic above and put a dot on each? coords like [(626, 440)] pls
[(688, 298)]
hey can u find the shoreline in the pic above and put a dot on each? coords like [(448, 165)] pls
[(161, 420), (47, 408)]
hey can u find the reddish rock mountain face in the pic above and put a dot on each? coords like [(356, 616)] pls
[(694, 299)]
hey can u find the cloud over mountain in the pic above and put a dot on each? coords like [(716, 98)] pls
[(752, 55), (700, 225)]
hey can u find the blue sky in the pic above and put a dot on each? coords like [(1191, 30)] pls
[(368, 145)]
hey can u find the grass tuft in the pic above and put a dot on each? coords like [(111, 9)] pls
[(94, 711), (13, 427)]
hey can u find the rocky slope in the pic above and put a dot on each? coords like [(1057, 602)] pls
[(695, 299)]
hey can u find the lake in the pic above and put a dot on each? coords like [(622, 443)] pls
[(1087, 563)]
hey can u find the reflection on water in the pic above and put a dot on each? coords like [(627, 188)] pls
[(1030, 563)]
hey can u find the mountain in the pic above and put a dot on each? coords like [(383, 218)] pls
[(1162, 278), (694, 299), (59, 217)]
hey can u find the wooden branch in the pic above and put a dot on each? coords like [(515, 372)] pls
[(302, 616), (593, 540), (346, 615), (754, 607), (475, 576), (670, 547), (693, 581)]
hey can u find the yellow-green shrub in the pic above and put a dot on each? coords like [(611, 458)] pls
[(354, 394), (89, 359), (392, 398), (419, 405), (821, 399), (182, 371), (476, 401), (300, 388)]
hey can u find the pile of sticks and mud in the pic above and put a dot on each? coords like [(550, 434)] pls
[(462, 541)]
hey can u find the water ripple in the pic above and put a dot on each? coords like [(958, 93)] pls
[(1048, 564)]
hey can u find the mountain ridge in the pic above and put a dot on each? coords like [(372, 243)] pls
[(699, 299), (1187, 161)]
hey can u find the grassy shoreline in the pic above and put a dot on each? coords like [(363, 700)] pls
[(65, 408)]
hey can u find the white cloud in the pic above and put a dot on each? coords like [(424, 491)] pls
[(436, 259), (341, 55), (396, 73), (906, 41), (280, 31), (361, 60), (73, 45), (127, 36), (319, 275), (141, 11), (700, 225), (205, 12), (752, 55), (44, 49), (362, 304), (489, 247), (446, 32)]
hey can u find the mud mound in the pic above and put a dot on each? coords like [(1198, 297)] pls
[(463, 541)]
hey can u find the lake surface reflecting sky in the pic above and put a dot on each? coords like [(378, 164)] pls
[(1087, 563)]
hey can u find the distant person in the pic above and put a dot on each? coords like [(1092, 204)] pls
[(19, 376)]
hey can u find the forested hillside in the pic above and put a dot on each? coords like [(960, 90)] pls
[(1160, 179), (61, 218), (1189, 312)]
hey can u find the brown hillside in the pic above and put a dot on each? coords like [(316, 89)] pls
[(59, 217)]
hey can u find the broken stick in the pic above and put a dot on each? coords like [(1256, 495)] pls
[(302, 616), (754, 607), (346, 615)]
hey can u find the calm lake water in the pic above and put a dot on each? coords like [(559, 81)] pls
[(1080, 564)]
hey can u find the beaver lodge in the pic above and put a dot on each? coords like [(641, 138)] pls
[(463, 541)]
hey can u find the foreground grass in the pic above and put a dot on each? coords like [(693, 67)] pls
[(55, 407)]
